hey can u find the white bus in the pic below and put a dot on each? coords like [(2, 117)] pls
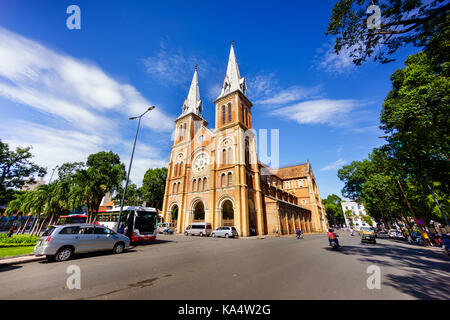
[(139, 223)]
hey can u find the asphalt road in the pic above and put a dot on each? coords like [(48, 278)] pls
[(179, 267)]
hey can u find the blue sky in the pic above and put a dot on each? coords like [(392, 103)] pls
[(69, 93)]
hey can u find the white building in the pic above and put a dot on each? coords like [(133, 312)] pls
[(358, 211)]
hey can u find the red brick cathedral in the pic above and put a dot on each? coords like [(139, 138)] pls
[(215, 177)]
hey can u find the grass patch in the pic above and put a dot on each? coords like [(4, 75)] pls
[(15, 251)]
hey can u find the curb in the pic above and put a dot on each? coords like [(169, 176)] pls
[(7, 261)]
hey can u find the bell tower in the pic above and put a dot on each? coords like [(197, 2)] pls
[(232, 105), (191, 117)]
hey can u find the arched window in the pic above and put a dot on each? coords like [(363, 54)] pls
[(178, 187), (223, 115), (242, 112), (224, 157), (199, 185), (250, 181), (180, 169), (229, 112), (230, 179), (194, 184), (205, 183), (174, 188), (230, 156), (247, 152), (246, 117), (223, 182), (185, 131)]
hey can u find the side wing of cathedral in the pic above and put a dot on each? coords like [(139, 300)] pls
[(214, 175)]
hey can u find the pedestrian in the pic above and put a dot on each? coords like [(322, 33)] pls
[(121, 228)]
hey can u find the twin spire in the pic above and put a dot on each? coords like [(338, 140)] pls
[(193, 103), (231, 83)]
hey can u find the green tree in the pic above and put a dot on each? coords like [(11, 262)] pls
[(16, 168), (133, 196), (423, 24), (416, 116), (333, 209), (153, 187), (103, 173)]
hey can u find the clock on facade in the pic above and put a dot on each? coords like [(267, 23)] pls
[(200, 162)]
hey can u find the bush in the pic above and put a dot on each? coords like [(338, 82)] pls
[(17, 240)]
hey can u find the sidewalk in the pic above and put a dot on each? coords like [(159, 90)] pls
[(19, 259)]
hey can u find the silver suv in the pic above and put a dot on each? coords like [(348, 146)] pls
[(198, 229), (61, 242), (226, 232)]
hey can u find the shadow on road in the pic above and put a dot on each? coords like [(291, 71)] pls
[(5, 267), (153, 242), (428, 272)]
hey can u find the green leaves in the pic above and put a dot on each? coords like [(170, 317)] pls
[(15, 168), (333, 209), (153, 187), (423, 24), (416, 115)]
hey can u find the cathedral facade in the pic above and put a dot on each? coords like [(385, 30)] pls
[(215, 177)]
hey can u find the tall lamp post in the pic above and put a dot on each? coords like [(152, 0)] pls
[(131, 162)]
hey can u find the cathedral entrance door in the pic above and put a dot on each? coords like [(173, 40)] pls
[(199, 212), (227, 214)]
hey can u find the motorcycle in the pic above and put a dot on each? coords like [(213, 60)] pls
[(352, 233), (417, 241), (334, 245), (299, 235)]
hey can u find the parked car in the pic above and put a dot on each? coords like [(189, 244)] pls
[(198, 229), (381, 235), (395, 234), (61, 242), (227, 232), (166, 227), (367, 234)]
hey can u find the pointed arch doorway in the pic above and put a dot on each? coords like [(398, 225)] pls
[(227, 213), (199, 212)]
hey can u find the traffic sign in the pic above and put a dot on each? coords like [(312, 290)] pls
[(420, 222)]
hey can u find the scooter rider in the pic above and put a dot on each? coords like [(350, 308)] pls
[(332, 237), (298, 232)]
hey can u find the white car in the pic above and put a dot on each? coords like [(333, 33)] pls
[(227, 232), (166, 227)]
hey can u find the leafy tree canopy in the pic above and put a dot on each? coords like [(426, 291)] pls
[(424, 24), (153, 187), (416, 116), (16, 168)]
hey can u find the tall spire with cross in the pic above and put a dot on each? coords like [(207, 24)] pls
[(233, 80), (193, 103)]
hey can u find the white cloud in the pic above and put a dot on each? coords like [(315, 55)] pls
[(333, 63), (321, 111), (291, 94), (334, 165), (174, 67), (52, 147), (60, 85), (85, 106)]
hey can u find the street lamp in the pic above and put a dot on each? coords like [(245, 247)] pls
[(52, 174), (131, 162)]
